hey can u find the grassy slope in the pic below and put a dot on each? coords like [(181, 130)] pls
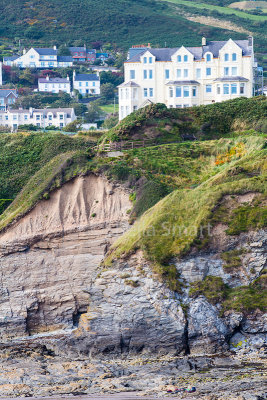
[(124, 22), (222, 10)]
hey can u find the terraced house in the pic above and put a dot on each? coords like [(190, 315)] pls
[(39, 58), (187, 76), (41, 118)]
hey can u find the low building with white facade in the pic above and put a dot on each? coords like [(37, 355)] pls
[(39, 58), (41, 118), (86, 83), (54, 85), (187, 76)]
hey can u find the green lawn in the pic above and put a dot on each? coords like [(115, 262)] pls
[(109, 108), (223, 10)]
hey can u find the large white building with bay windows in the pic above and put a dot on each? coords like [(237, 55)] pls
[(187, 76)]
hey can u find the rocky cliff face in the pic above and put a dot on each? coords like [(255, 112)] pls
[(50, 256), (51, 279)]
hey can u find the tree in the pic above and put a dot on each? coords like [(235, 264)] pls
[(73, 126), (79, 109), (94, 112), (97, 61), (107, 91), (116, 78), (64, 51), (111, 121)]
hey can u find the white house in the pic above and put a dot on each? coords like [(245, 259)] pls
[(7, 98), (39, 58), (187, 76), (41, 118), (54, 85), (86, 83), (1, 75)]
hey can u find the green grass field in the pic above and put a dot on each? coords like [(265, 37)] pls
[(222, 10), (109, 108)]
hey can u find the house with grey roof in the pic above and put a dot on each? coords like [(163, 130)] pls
[(7, 98), (187, 76), (86, 84), (39, 58), (54, 85), (42, 118)]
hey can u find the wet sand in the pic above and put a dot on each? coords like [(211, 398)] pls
[(117, 396)]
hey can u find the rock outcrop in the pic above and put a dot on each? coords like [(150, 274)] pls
[(50, 256)]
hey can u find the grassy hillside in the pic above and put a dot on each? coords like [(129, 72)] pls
[(123, 22)]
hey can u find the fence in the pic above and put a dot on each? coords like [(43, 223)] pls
[(120, 146)]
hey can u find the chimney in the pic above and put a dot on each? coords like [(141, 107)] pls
[(54, 47), (250, 41), (47, 77), (74, 74), (30, 111), (149, 45), (24, 51), (204, 41), (68, 78)]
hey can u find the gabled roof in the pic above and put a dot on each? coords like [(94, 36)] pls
[(86, 77), (46, 51), (165, 54), (7, 92)]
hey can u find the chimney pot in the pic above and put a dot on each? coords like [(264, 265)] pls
[(55, 47), (204, 41)]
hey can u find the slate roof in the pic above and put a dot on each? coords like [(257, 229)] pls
[(53, 80), (64, 59), (11, 58), (129, 84), (231, 79), (45, 111), (6, 92), (86, 77), (46, 51), (165, 54), (79, 49)]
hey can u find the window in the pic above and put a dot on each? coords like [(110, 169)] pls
[(145, 92), (194, 91), (171, 92), (218, 89), (14, 117), (122, 93), (150, 74), (186, 91), (226, 88), (132, 74), (185, 58), (179, 58), (226, 71), (25, 117), (150, 60), (242, 88), (61, 125), (134, 108), (50, 117), (178, 91), (208, 88), (178, 73), (6, 117), (93, 83), (127, 93), (185, 73), (80, 83), (38, 117), (234, 71), (208, 58), (167, 74), (145, 60), (234, 88), (86, 83), (38, 124), (145, 74), (198, 73), (186, 105), (178, 106), (151, 92), (61, 116), (208, 71), (234, 57), (226, 57)]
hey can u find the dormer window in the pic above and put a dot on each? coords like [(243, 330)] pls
[(234, 57), (185, 58), (208, 57), (179, 58), (226, 57)]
